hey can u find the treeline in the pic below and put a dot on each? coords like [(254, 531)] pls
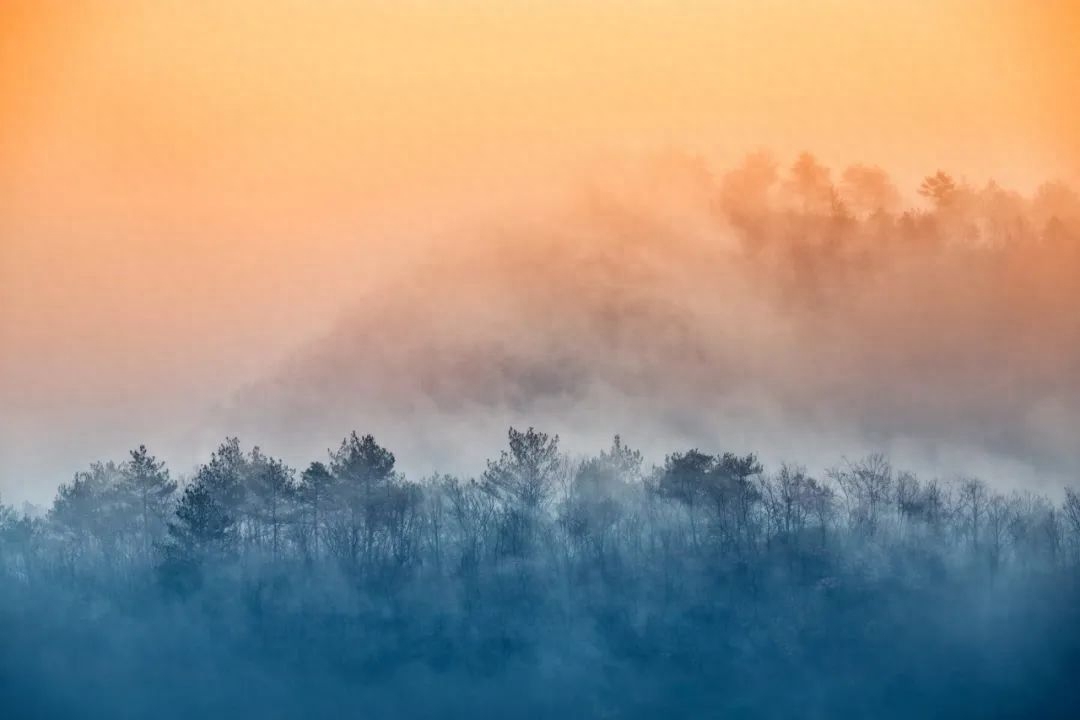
[(601, 587)]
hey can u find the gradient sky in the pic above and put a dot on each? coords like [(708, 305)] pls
[(191, 190)]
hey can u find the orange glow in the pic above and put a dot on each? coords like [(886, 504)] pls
[(188, 190)]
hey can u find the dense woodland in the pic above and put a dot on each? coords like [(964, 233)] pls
[(605, 587), (700, 584)]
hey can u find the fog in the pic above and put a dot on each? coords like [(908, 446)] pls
[(771, 303), (777, 305), (191, 193), (842, 481), (756, 334)]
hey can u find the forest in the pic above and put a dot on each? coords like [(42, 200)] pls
[(550, 582), (703, 586)]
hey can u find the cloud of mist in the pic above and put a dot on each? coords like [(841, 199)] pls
[(783, 308), (188, 192)]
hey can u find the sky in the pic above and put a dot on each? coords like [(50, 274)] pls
[(192, 194)]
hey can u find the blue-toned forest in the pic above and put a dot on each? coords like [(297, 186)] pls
[(704, 585)]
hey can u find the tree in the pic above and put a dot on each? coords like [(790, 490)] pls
[(147, 495), (867, 189), (522, 480), (84, 511), (473, 511), (1057, 203), (744, 191), (8, 521), (998, 515), (685, 478), (198, 533), (271, 495), (316, 491), (867, 487), (794, 502), (1071, 511), (693, 478), (224, 479), (597, 493), (973, 501), (939, 188), (811, 186), (17, 535), (524, 475), (734, 498), (364, 482), (787, 501), (622, 462)]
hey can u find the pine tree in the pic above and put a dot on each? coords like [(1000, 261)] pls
[(198, 533), (146, 494)]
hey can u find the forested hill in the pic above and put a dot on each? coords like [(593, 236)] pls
[(607, 587)]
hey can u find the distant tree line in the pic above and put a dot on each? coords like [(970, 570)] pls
[(706, 584)]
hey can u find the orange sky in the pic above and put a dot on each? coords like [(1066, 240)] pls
[(189, 190)]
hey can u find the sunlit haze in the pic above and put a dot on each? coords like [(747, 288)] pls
[(214, 215)]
